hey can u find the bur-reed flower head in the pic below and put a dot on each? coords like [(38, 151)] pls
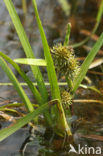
[(66, 99), (65, 61)]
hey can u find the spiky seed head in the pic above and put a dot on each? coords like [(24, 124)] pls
[(65, 61), (66, 98)]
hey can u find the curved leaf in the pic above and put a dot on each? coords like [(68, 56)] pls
[(25, 77), (16, 84), (4, 133), (27, 48)]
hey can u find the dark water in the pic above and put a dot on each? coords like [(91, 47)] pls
[(87, 124)]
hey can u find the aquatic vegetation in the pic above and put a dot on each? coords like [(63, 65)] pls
[(63, 60)]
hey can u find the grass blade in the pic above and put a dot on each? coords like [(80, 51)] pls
[(4, 133), (67, 36), (24, 6), (50, 66), (35, 92), (55, 92), (16, 84), (24, 76), (34, 62), (87, 62), (100, 12), (31, 85), (27, 48)]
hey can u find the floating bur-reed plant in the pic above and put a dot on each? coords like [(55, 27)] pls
[(64, 61)]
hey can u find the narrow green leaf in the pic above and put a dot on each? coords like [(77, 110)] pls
[(34, 62), (35, 92), (12, 105), (27, 48), (24, 6), (50, 66), (4, 133), (59, 83), (67, 36), (87, 62), (35, 84), (9, 110), (16, 84), (100, 12), (24, 76), (55, 92)]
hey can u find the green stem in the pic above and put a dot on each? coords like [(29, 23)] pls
[(59, 115), (66, 41), (70, 83), (24, 6)]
